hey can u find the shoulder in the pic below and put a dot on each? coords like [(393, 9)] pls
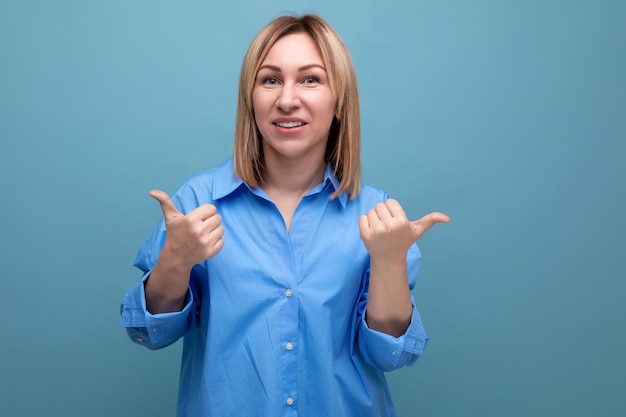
[(224, 171), (369, 191), (206, 187), (367, 199), (370, 194)]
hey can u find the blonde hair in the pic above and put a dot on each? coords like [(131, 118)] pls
[(344, 141)]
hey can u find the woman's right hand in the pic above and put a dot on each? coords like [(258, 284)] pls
[(190, 239), (193, 237)]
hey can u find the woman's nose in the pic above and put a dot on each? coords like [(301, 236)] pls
[(288, 98)]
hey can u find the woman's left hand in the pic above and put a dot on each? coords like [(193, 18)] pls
[(388, 233)]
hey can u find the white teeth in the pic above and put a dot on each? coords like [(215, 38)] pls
[(289, 124)]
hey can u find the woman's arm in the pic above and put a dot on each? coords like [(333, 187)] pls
[(190, 239), (388, 234)]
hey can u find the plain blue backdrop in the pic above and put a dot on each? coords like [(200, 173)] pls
[(510, 116)]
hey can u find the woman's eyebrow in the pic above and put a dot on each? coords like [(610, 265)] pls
[(303, 68)]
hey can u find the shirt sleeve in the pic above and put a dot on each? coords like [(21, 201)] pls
[(387, 352), (154, 331)]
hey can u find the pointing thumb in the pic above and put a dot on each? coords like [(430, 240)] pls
[(167, 205)]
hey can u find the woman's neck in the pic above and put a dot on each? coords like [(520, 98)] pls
[(287, 183), (290, 178)]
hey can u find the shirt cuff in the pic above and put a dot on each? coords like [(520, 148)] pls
[(152, 329), (387, 352)]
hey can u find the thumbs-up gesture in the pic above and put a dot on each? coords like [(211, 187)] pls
[(388, 234), (190, 238)]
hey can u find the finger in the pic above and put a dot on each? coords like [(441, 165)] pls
[(364, 226), (395, 208), (212, 222), (430, 220), (218, 246), (215, 242), (382, 211), (212, 235), (167, 205), (373, 219), (204, 212)]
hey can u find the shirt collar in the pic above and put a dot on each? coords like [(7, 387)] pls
[(331, 180), (225, 182)]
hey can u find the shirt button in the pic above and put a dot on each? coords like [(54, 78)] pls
[(289, 346), (139, 339), (288, 293), (289, 401)]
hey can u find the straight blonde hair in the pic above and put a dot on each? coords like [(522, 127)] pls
[(343, 150)]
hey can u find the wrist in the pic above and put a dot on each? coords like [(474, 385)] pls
[(172, 263), (391, 264)]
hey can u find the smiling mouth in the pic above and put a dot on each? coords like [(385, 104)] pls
[(289, 125)]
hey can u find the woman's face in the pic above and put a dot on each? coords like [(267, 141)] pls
[(293, 103)]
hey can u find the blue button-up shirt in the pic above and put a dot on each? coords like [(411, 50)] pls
[(274, 323)]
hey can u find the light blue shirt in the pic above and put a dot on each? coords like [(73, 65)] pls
[(274, 323)]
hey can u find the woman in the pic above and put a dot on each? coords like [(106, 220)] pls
[(288, 279)]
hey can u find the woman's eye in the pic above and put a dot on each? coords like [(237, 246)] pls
[(270, 81), (311, 80)]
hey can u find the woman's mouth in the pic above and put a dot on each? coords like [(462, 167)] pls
[(289, 125)]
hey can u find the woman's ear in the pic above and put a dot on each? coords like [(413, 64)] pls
[(337, 113)]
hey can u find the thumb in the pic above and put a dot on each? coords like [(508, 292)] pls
[(422, 225), (167, 205)]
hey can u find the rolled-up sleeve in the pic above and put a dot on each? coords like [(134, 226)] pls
[(387, 352), (154, 331)]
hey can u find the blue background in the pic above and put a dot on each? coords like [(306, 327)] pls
[(510, 116)]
